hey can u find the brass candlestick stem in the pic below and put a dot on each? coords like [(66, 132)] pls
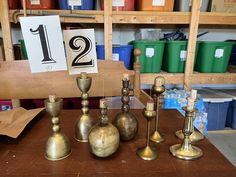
[(148, 152), (195, 136), (157, 90), (84, 122), (125, 121), (58, 145), (186, 151)]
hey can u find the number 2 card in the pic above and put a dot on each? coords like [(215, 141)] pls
[(44, 43), (81, 51)]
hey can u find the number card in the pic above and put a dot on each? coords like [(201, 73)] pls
[(81, 51), (44, 43)]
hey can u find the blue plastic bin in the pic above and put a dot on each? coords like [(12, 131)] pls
[(120, 53), (85, 5), (216, 104), (231, 114)]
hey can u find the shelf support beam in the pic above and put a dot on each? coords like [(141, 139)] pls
[(108, 29), (193, 30)]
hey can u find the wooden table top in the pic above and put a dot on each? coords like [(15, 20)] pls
[(24, 156)]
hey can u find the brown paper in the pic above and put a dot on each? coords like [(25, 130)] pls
[(13, 122)]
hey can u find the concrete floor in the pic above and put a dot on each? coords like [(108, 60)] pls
[(225, 141)]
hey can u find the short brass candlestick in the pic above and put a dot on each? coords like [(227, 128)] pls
[(157, 89), (195, 136), (125, 121), (186, 151), (148, 152), (58, 145), (84, 122)]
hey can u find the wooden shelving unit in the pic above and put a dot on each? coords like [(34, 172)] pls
[(109, 17)]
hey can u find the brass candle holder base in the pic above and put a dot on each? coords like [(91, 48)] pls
[(84, 123), (186, 153), (194, 137), (157, 137), (57, 148), (147, 153)]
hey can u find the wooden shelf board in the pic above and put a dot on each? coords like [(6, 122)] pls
[(137, 17), (171, 78), (148, 17), (97, 16), (213, 78)]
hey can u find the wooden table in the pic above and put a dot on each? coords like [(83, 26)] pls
[(24, 156)]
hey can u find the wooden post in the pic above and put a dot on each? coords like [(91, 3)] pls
[(193, 30), (7, 40), (137, 67), (6, 31), (24, 8), (108, 29)]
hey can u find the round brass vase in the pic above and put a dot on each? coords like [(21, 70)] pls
[(127, 124), (104, 140)]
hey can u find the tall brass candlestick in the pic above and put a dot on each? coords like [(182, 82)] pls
[(84, 122), (58, 145), (125, 121), (148, 152), (186, 151), (157, 89), (195, 136)]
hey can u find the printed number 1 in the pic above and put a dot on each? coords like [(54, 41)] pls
[(42, 31)]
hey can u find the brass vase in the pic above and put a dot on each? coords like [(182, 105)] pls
[(125, 121), (58, 145), (84, 122), (103, 138)]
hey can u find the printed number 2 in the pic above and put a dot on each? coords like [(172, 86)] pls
[(42, 31), (83, 51)]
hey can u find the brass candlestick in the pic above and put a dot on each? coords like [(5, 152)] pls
[(148, 152), (195, 136), (104, 138), (157, 89), (84, 122), (126, 122), (58, 145), (186, 151)]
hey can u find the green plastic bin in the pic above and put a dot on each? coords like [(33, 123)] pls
[(151, 56), (213, 56), (175, 56), (23, 49)]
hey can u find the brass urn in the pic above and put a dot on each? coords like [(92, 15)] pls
[(125, 121), (104, 138)]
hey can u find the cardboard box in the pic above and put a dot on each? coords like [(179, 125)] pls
[(223, 6)]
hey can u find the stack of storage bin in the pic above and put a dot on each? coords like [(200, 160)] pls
[(216, 104)]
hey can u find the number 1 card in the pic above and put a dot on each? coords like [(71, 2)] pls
[(81, 51), (44, 43)]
